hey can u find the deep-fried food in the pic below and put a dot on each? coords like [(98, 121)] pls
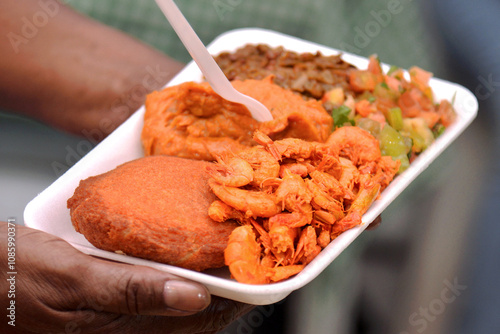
[(154, 208), (191, 121)]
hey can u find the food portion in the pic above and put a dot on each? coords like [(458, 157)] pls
[(191, 121), (295, 199), (397, 106), (308, 74), (313, 191), (146, 208), (269, 196)]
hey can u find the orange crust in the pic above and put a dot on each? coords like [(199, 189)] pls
[(191, 121), (153, 208)]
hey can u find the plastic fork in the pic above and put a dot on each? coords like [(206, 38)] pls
[(207, 64)]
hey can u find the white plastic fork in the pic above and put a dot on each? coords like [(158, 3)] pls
[(207, 64)]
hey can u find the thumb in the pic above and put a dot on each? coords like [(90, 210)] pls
[(138, 290)]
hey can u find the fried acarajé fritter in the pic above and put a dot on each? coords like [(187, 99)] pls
[(191, 121), (153, 208)]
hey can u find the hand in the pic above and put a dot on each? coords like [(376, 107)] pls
[(59, 289), (74, 73), (375, 223)]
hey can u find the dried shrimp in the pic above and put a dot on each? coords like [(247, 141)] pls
[(288, 217)]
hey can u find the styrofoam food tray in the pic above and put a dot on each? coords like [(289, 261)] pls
[(48, 210)]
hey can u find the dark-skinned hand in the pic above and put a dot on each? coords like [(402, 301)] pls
[(59, 289)]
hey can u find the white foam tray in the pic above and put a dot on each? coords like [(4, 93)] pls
[(48, 210)]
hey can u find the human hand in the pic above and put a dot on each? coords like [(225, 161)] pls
[(74, 74), (59, 289), (375, 223)]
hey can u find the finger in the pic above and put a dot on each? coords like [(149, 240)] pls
[(79, 281), (217, 316), (375, 223), (137, 290), (69, 289)]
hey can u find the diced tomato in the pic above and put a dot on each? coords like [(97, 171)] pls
[(397, 74), (408, 105), (423, 99), (413, 101), (446, 113), (384, 104), (335, 96), (419, 78), (430, 117), (363, 80), (364, 108), (374, 65), (393, 84), (428, 92)]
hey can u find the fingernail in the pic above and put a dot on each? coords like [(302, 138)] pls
[(185, 296)]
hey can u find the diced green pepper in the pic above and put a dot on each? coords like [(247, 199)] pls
[(417, 129), (395, 118), (392, 143), (405, 162), (408, 142)]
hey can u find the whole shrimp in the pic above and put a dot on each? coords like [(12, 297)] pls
[(354, 143), (243, 257), (290, 147), (220, 212), (291, 219), (233, 171), (265, 166), (261, 138), (307, 247), (349, 175), (366, 195), (252, 203), (293, 194), (332, 208), (300, 169), (330, 216), (324, 235), (386, 170), (300, 150), (331, 185), (283, 242)]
